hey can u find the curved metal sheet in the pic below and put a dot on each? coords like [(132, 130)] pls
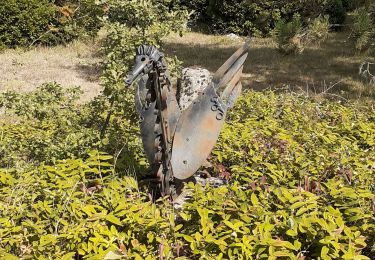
[(148, 133), (196, 133), (174, 114), (231, 85), (147, 119)]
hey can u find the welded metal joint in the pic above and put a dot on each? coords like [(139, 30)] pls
[(217, 107)]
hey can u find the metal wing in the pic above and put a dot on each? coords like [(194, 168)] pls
[(199, 125)]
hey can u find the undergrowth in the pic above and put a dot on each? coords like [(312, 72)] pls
[(300, 183)]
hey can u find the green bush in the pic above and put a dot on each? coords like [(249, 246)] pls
[(291, 37), (350, 5), (300, 186), (240, 17), (48, 125), (198, 9), (321, 148), (42, 126), (336, 11), (78, 19), (317, 31), (285, 35), (363, 31), (28, 22), (25, 21), (244, 17)]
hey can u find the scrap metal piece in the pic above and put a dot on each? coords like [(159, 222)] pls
[(235, 70), (232, 84), (196, 133), (234, 95), (158, 110), (199, 126), (148, 131), (147, 117), (178, 139), (220, 73)]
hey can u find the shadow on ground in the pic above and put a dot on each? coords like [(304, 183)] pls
[(91, 72), (331, 68)]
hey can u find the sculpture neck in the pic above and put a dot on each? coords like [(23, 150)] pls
[(160, 68)]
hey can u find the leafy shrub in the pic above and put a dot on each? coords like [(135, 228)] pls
[(300, 186), (24, 21), (318, 30), (363, 31), (198, 9), (257, 17), (27, 22), (350, 5), (325, 149), (292, 38), (76, 208), (48, 124), (240, 17), (42, 126), (77, 19), (285, 35), (130, 24)]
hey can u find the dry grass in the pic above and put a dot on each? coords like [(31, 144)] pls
[(314, 71), (72, 65)]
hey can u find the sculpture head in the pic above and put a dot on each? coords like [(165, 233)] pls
[(146, 57)]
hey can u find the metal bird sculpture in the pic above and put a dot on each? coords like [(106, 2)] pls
[(178, 141)]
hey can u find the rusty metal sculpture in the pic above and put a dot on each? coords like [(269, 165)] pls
[(176, 141)]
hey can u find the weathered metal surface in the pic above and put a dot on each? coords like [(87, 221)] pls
[(231, 85), (232, 71), (147, 118), (228, 64), (199, 126), (178, 141), (234, 95), (148, 131), (173, 112), (196, 133)]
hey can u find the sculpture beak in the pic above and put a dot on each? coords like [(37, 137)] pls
[(138, 70)]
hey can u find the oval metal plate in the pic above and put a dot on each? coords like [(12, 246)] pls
[(196, 134)]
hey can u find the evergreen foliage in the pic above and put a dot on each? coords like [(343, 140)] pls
[(336, 11), (363, 30), (291, 37)]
